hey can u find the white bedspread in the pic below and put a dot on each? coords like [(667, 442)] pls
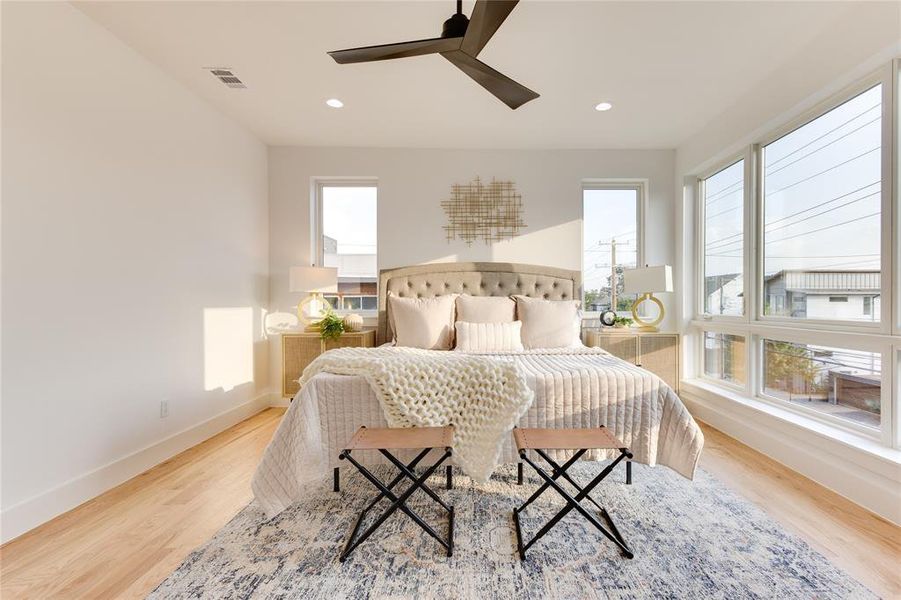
[(582, 387)]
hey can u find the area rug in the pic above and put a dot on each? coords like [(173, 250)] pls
[(691, 540)]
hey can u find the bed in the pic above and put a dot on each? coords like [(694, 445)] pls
[(577, 387)]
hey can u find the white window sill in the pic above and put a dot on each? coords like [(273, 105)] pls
[(870, 446)]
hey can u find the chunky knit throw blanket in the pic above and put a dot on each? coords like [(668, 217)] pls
[(483, 397)]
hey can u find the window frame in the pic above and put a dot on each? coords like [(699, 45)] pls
[(881, 76), (726, 328), (848, 343), (317, 247), (641, 187), (882, 337), (701, 239)]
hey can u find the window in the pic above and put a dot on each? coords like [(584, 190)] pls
[(793, 260), (724, 357), (822, 214), (348, 240), (723, 202), (844, 384), (611, 243)]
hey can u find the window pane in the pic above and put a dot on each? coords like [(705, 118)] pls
[(845, 384), (822, 209), (724, 357), (609, 232), (349, 239), (724, 195)]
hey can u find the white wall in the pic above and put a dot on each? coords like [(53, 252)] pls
[(413, 182), (135, 264)]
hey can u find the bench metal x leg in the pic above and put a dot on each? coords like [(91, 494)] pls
[(399, 502), (572, 503)]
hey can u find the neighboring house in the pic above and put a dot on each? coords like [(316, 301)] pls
[(724, 294), (847, 295), (357, 275)]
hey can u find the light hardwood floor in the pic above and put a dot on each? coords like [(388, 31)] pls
[(123, 543)]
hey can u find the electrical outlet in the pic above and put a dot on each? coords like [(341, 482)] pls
[(164, 409)]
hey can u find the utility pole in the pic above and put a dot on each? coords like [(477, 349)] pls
[(613, 283)]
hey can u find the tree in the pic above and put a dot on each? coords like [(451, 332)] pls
[(791, 368)]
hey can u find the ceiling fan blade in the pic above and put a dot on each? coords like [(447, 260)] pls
[(401, 50), (487, 16), (505, 89)]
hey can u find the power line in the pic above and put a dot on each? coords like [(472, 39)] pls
[(722, 239), (832, 168), (798, 256), (711, 199), (838, 139), (876, 214), (823, 203), (828, 210), (816, 139), (722, 212)]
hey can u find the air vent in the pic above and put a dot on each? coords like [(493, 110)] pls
[(227, 77)]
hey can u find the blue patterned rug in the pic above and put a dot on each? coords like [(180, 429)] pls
[(691, 540)]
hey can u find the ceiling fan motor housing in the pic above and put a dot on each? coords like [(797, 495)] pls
[(455, 26)]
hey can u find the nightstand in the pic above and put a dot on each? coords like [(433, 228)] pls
[(300, 348), (658, 352)]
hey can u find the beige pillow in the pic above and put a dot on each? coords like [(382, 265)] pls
[(488, 337), (423, 322), (485, 309), (549, 323)]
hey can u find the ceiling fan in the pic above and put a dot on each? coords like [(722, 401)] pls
[(461, 41)]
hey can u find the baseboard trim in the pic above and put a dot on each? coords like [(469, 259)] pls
[(279, 401), (28, 514), (853, 474)]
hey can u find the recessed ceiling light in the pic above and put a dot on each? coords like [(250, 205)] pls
[(334, 103), (603, 106)]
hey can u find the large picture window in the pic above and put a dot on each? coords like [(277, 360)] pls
[(611, 243), (723, 200), (795, 272), (822, 216), (348, 241)]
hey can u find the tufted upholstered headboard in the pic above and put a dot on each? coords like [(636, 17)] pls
[(477, 279)]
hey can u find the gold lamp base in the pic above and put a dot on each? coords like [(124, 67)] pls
[(649, 326), (309, 311)]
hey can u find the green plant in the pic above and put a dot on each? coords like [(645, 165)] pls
[(331, 326), (623, 321)]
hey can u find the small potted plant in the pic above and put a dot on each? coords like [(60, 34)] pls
[(622, 322), (331, 326)]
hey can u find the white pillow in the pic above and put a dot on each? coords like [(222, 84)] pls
[(488, 337), (486, 309), (549, 323), (423, 322)]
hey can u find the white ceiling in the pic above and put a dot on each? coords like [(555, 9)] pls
[(668, 67)]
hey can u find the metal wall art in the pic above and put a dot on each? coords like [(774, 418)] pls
[(491, 212)]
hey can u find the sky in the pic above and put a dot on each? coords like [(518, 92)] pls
[(349, 215), (608, 214)]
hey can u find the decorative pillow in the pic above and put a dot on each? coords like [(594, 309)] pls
[(549, 323), (486, 309), (423, 322), (488, 337)]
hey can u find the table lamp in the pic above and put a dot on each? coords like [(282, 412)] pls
[(313, 281), (644, 281)]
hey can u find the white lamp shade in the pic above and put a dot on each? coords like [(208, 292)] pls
[(313, 280), (645, 280)]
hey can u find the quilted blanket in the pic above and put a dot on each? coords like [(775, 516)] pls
[(578, 387)]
